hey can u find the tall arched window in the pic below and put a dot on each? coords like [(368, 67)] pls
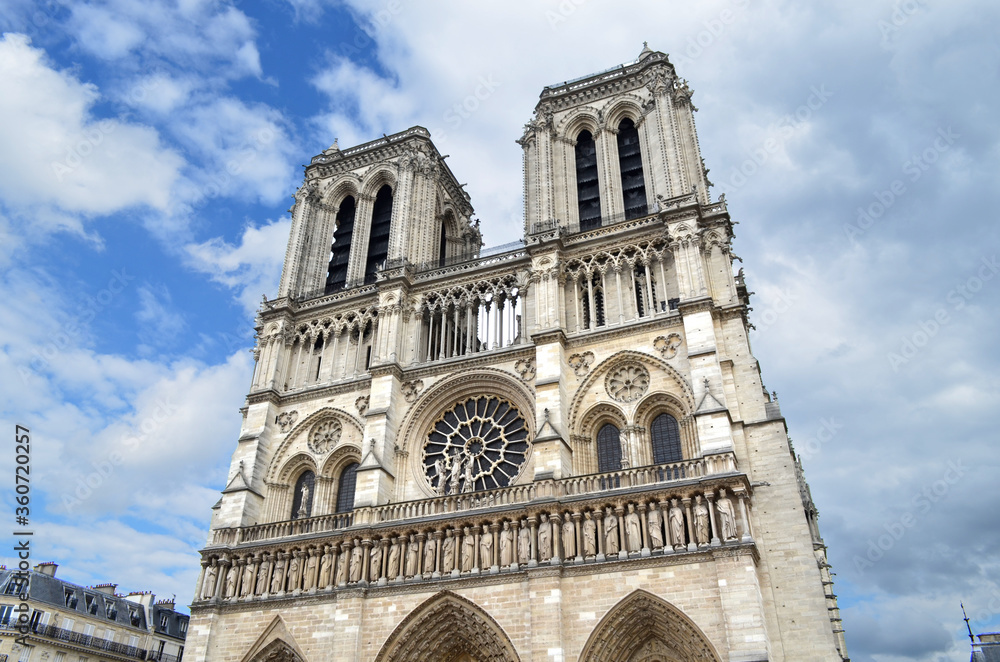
[(378, 238), (340, 251), (630, 165), (443, 245), (345, 488), (666, 438), (609, 449), (588, 192), (302, 497)]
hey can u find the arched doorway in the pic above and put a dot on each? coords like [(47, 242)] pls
[(448, 628), (645, 628)]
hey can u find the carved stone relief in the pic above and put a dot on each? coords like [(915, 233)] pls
[(286, 420), (581, 363), (362, 404), (627, 383), (325, 436), (667, 345), (412, 389), (526, 369)]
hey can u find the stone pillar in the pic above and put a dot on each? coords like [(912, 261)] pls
[(710, 498), (692, 544)]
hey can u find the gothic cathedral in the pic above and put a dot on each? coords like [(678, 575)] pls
[(554, 450)]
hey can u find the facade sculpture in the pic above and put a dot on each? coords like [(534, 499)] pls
[(451, 452)]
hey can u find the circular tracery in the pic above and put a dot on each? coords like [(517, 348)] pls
[(479, 444), (325, 436)]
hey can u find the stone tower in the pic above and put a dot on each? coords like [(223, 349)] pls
[(559, 449)]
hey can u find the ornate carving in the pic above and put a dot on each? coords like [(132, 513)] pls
[(581, 363), (286, 420), (480, 443), (526, 369), (628, 383), (667, 345), (362, 404), (412, 389), (325, 435)]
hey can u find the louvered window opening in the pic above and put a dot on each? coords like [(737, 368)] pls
[(345, 488), (378, 239), (609, 449), (443, 246), (630, 164), (341, 249), (588, 192), (666, 438)]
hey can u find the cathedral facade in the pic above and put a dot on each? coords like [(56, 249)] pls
[(555, 450)]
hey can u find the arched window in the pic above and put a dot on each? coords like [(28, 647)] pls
[(340, 251), (345, 488), (378, 238), (443, 245), (666, 438), (597, 287), (588, 192), (630, 165), (302, 497), (609, 449)]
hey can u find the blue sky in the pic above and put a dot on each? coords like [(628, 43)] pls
[(149, 151)]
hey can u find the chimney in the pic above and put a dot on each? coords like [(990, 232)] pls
[(47, 568), (106, 589), (166, 603)]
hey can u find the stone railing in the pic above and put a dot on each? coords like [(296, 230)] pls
[(657, 519), (723, 463)]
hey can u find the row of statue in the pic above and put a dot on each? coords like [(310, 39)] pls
[(668, 526), (460, 478)]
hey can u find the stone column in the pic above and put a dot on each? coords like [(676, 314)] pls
[(692, 544), (599, 518), (439, 541), (644, 527), (744, 515), (555, 525), (366, 561), (710, 498), (577, 518), (533, 559), (201, 579)]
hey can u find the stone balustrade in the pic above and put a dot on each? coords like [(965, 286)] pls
[(712, 465), (671, 518)]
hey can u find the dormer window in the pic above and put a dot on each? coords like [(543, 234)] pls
[(133, 616), (111, 611), (91, 604), (71, 599), (164, 620)]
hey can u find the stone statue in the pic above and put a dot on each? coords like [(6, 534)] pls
[(439, 472), (342, 565), (211, 574), (524, 543), (701, 532), (506, 545), (727, 516), (412, 550), (303, 502), (455, 474), (278, 577), (375, 561), (468, 550), (568, 537), (468, 483), (655, 524), (231, 578), (448, 552), (248, 574), (676, 517), (325, 567), (610, 532), (486, 547), (589, 534), (294, 569), (633, 529), (262, 572), (544, 539), (356, 561), (312, 570), (430, 547), (393, 569), (624, 444)]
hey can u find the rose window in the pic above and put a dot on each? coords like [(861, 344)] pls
[(479, 444), (627, 383), (324, 436)]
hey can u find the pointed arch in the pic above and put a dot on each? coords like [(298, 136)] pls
[(378, 233), (643, 626), (443, 629), (275, 644)]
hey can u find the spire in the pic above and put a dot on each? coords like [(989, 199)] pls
[(646, 50)]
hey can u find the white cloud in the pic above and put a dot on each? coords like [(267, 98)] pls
[(57, 156)]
